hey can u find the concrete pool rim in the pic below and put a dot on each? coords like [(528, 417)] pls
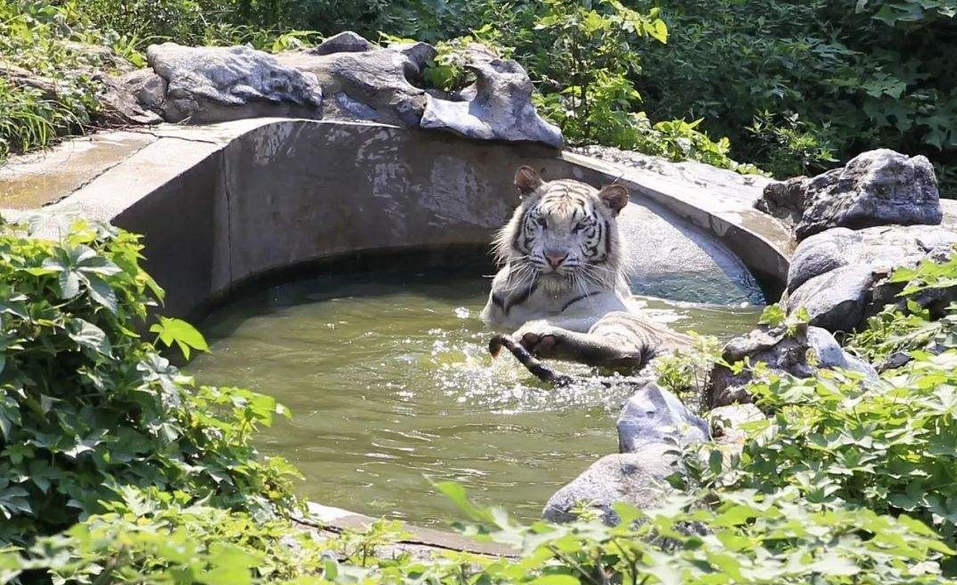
[(211, 226)]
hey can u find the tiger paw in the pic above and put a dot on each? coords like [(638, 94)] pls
[(541, 342)]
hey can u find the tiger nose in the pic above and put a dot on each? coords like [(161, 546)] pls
[(555, 260)]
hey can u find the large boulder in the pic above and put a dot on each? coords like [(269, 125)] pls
[(878, 187), (639, 479), (133, 98), (498, 106), (655, 415), (215, 84), (835, 300), (841, 276), (783, 351), (375, 84), (359, 81), (365, 82)]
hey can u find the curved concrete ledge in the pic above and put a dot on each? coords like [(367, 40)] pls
[(761, 241), (222, 204)]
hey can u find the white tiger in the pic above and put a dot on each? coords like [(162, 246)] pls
[(562, 284)]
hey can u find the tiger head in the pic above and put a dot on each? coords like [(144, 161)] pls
[(564, 233)]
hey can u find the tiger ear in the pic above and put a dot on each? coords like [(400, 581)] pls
[(615, 197), (527, 180)]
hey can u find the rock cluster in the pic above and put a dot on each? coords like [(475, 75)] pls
[(841, 276), (652, 427), (878, 187), (855, 226), (798, 352), (344, 78)]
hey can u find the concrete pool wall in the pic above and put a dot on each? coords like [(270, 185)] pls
[(222, 204)]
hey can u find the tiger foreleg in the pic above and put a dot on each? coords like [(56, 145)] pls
[(540, 370), (592, 349)]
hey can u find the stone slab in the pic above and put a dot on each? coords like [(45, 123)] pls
[(44, 177), (337, 520)]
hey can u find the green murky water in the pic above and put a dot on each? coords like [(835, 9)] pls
[(390, 385)]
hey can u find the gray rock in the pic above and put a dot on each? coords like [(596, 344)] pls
[(878, 187), (820, 254), (344, 42), (781, 352), (689, 264), (785, 200), (134, 98), (379, 84), (355, 108), (840, 275), (214, 84), (499, 107), (655, 415), (20, 77), (832, 356), (639, 479), (835, 300), (373, 85)]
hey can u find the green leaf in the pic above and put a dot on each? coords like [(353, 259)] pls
[(186, 336), (715, 461), (69, 283), (89, 336), (102, 293), (456, 493), (773, 315)]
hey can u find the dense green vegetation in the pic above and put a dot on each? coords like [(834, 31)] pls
[(88, 407), (117, 469), (789, 86)]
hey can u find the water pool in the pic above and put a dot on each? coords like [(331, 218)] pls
[(390, 385)]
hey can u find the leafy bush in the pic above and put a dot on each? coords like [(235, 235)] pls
[(744, 538), (854, 75), (33, 41), (28, 120), (685, 372), (87, 406), (911, 326), (591, 55), (886, 445), (582, 57), (149, 537), (894, 331)]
